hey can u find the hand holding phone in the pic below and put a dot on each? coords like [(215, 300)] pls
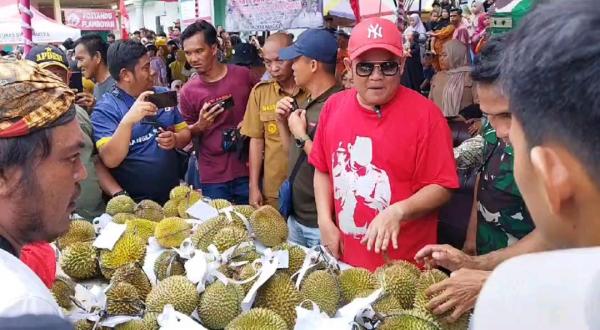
[(163, 100)]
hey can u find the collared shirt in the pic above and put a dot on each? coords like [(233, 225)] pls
[(147, 172), (502, 216), (303, 192), (260, 123)]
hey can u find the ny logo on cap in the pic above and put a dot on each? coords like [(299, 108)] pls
[(375, 31)]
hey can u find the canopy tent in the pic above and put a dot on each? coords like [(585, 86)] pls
[(368, 8), (45, 30), (508, 16)]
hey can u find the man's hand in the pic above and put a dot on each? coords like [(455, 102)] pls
[(140, 109), (457, 293), (445, 256), (207, 115), (331, 238), (474, 126), (85, 100), (284, 108), (383, 229), (256, 198), (166, 139), (297, 123)]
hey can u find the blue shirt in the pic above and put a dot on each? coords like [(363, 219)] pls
[(147, 172)]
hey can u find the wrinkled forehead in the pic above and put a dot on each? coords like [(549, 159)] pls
[(377, 55)]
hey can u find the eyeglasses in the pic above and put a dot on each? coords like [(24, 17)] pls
[(365, 69)]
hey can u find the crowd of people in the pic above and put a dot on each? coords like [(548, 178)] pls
[(334, 131)]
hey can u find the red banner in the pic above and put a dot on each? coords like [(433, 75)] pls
[(91, 19), (124, 20)]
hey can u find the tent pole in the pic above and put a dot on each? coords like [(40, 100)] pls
[(26, 29)]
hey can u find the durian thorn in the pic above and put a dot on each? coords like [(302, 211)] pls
[(173, 234)]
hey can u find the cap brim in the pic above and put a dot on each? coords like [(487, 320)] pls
[(363, 49), (289, 53), (48, 64)]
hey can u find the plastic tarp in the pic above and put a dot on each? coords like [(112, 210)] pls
[(45, 30)]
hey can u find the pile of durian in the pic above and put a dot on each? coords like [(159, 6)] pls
[(131, 292)]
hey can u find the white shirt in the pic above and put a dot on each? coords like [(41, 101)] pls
[(549, 290), (22, 291)]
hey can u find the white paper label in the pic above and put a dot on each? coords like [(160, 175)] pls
[(109, 236), (116, 320), (170, 319), (202, 210), (101, 222)]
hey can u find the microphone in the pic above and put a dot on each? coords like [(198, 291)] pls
[(378, 111)]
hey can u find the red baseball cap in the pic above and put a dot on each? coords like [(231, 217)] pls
[(375, 33)]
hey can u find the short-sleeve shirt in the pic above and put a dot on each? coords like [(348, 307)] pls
[(260, 122), (90, 203), (303, 190), (216, 165), (502, 216), (375, 161), (147, 172), (104, 87)]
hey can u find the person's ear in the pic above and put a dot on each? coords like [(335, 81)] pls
[(314, 65), (97, 58), (401, 65), (555, 177), (348, 64), (10, 180), (125, 76)]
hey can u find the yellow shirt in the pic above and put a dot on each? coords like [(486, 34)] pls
[(260, 123)]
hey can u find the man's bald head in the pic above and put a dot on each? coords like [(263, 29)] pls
[(282, 39)]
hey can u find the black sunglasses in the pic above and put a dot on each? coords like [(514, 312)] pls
[(365, 69)]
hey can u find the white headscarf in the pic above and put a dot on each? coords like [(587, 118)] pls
[(419, 27)]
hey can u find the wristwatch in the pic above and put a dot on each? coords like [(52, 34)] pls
[(120, 193), (300, 142)]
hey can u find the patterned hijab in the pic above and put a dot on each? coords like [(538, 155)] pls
[(31, 98)]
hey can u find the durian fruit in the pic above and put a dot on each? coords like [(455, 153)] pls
[(129, 248), (62, 290), (247, 271), (123, 298), (427, 279), (269, 227), (296, 257), (79, 231), (87, 325), (184, 204), (322, 288), (168, 264), (354, 281), (279, 295), (80, 261), (170, 232), (258, 319), (133, 274), (149, 210), (410, 320), (141, 227), (385, 305), (228, 237), (400, 281), (150, 322), (245, 210), (121, 218), (205, 232), (170, 209), (175, 290), (219, 304), (120, 204), (220, 204), (179, 192), (131, 325)]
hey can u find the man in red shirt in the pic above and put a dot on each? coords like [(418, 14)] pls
[(383, 157)]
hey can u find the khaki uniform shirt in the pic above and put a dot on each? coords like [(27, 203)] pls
[(260, 123)]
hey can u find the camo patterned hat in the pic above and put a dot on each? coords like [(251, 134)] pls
[(31, 98)]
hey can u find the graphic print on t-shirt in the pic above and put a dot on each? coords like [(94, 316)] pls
[(358, 183)]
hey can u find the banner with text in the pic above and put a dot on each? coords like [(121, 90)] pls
[(91, 19), (260, 15)]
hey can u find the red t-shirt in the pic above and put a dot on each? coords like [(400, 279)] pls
[(40, 257), (374, 162), (215, 165)]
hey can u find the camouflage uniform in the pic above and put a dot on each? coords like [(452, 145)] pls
[(502, 217)]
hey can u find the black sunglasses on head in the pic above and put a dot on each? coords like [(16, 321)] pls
[(365, 69)]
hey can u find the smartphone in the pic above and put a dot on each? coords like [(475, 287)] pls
[(295, 105), (227, 103), (163, 100), (76, 81)]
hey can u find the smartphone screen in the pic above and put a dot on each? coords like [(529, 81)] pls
[(76, 81), (295, 105), (228, 103), (163, 100)]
